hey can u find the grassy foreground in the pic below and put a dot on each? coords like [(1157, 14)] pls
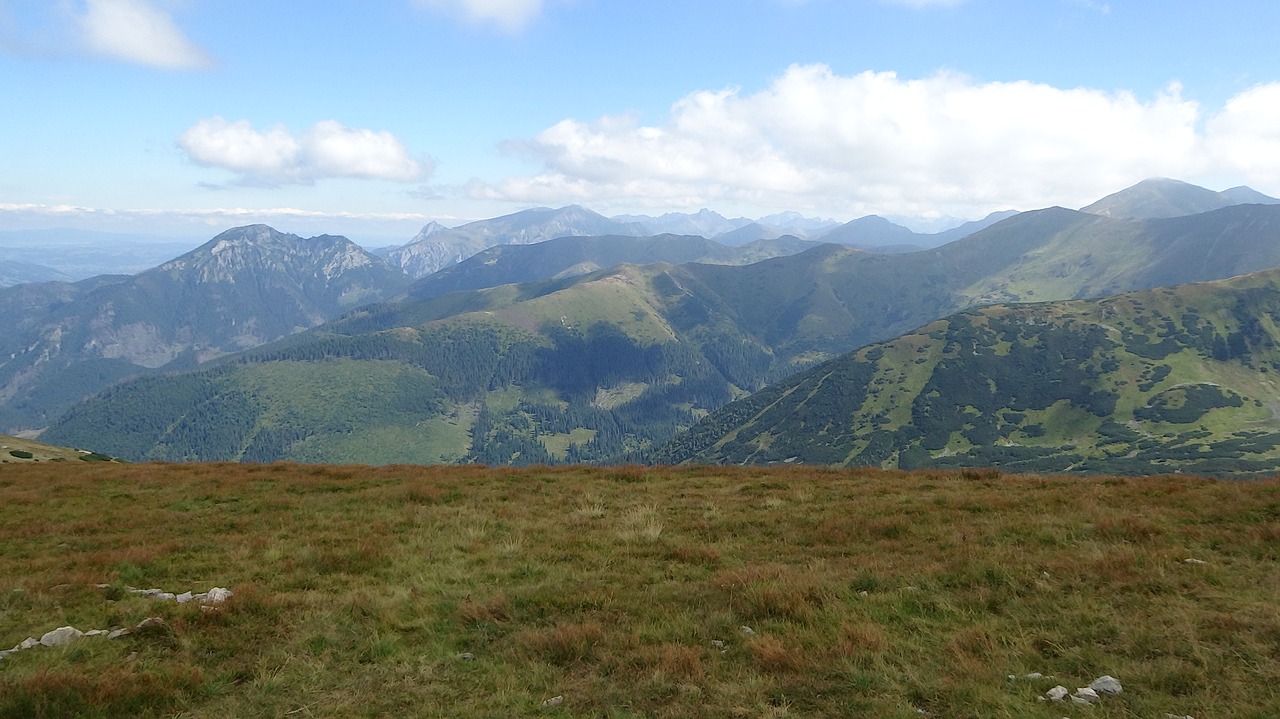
[(359, 592)]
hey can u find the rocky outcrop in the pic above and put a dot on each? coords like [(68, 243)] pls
[(63, 636)]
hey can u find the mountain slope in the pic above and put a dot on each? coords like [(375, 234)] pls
[(17, 450), (870, 231), (1159, 197), (246, 286), (16, 272), (1169, 379), (703, 223), (571, 256), (437, 247)]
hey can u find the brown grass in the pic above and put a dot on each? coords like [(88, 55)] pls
[(359, 591)]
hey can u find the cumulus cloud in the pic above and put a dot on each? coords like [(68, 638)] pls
[(1244, 137), (510, 15), (875, 142), (277, 156), (136, 31)]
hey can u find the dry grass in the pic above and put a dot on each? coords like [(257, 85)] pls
[(361, 591)]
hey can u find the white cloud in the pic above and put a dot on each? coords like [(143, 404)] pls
[(1244, 138), (137, 32), (510, 15), (874, 142), (276, 156)]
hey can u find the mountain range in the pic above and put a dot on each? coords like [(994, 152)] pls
[(244, 287), (618, 361)]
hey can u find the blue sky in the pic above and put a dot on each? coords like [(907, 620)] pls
[(185, 117)]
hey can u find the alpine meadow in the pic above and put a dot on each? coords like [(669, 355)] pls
[(777, 359)]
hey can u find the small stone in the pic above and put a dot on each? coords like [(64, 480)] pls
[(28, 643), (1106, 684), (166, 596), (748, 631), (217, 595), (1056, 694), (61, 636), (184, 597), (6, 652), (554, 701), (1080, 700), (718, 644), (95, 632), (1029, 677), (148, 623), (150, 593), (1178, 716), (117, 633), (1086, 694), (863, 593), (1194, 561), (467, 657)]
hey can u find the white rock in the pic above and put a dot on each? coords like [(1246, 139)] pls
[(6, 652), (1056, 694), (61, 636), (1194, 561), (1081, 701), (1086, 694), (1178, 716), (554, 701), (166, 596), (117, 633), (218, 595), (95, 632), (28, 643), (184, 597), (748, 631), (1106, 684)]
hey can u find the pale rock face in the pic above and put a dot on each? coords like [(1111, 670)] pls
[(1106, 684), (1086, 695), (61, 636)]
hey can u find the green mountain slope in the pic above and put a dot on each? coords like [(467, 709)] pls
[(18, 450), (243, 288), (1160, 197), (1180, 379), (572, 256), (617, 361)]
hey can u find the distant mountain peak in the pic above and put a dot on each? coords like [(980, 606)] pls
[(1159, 197), (429, 230)]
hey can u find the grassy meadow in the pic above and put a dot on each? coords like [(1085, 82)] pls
[(475, 592)]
